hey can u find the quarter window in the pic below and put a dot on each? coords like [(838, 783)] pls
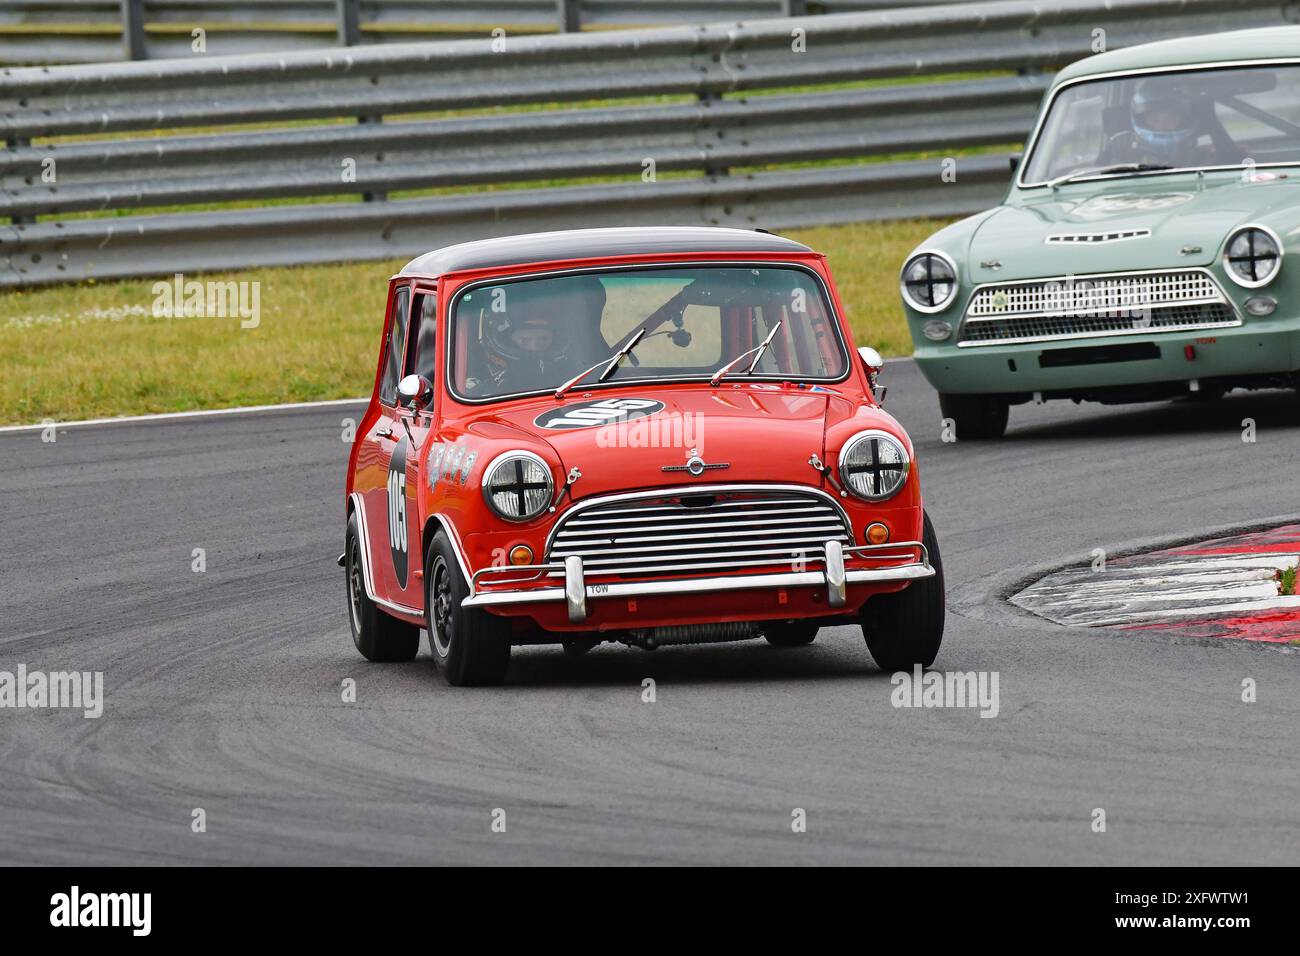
[(393, 348), (420, 360)]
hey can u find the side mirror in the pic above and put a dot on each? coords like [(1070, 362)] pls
[(872, 363), (1014, 161), (871, 359), (415, 392)]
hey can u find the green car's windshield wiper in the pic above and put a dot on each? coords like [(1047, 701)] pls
[(757, 351), (610, 364), (1107, 171)]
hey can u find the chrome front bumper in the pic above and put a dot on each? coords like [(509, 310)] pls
[(486, 590)]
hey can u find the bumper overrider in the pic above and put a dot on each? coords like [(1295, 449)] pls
[(497, 586)]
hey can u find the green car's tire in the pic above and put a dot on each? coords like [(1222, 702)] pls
[(976, 417)]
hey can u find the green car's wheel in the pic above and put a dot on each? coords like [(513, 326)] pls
[(976, 417)]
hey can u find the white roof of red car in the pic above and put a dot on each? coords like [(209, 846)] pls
[(596, 244)]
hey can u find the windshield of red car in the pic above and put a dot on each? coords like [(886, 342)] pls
[(1187, 119), (533, 335)]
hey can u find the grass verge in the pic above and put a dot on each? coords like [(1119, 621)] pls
[(95, 349)]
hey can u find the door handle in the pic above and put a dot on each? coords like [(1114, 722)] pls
[(385, 432)]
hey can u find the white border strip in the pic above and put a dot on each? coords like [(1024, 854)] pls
[(170, 416)]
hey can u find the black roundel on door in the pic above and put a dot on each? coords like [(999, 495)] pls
[(603, 412), (397, 537)]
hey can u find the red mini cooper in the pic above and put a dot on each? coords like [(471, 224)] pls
[(650, 436)]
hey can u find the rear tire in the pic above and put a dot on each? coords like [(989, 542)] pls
[(790, 633), (976, 417), (379, 637), (905, 628), (471, 647)]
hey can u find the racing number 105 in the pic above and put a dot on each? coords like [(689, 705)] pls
[(397, 510)]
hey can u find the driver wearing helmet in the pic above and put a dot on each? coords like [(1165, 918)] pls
[(544, 333), (1167, 120)]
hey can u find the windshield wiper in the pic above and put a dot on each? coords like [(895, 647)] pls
[(1107, 171), (759, 349), (610, 364)]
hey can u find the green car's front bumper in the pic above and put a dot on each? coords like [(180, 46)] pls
[(1258, 348), (1238, 350)]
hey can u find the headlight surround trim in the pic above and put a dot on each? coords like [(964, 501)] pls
[(940, 305), (523, 488), (902, 467), (1228, 256)]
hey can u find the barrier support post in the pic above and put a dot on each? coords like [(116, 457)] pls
[(133, 45), (569, 16), (349, 22)]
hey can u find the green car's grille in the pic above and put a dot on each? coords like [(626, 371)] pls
[(1095, 305), (1072, 326)]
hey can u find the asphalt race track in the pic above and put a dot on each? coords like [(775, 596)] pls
[(223, 688)]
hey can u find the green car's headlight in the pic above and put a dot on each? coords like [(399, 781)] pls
[(1252, 256), (929, 281), (874, 465), (517, 485)]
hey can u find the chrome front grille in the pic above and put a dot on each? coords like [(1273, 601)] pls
[(706, 529), (1088, 306), (1041, 327)]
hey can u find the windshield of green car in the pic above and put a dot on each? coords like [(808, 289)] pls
[(534, 335), (1169, 121)]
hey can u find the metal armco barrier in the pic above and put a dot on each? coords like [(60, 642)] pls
[(91, 31), (702, 144), (87, 31)]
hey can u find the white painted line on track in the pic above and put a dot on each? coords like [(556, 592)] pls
[(203, 413), (177, 416)]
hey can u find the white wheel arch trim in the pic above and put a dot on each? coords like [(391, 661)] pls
[(359, 506)]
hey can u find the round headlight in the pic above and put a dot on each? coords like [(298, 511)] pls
[(929, 282), (873, 465), (1252, 256), (518, 486)]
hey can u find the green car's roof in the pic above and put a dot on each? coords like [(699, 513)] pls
[(1264, 43)]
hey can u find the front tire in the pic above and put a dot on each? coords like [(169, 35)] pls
[(470, 647), (976, 417), (379, 637), (905, 628)]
